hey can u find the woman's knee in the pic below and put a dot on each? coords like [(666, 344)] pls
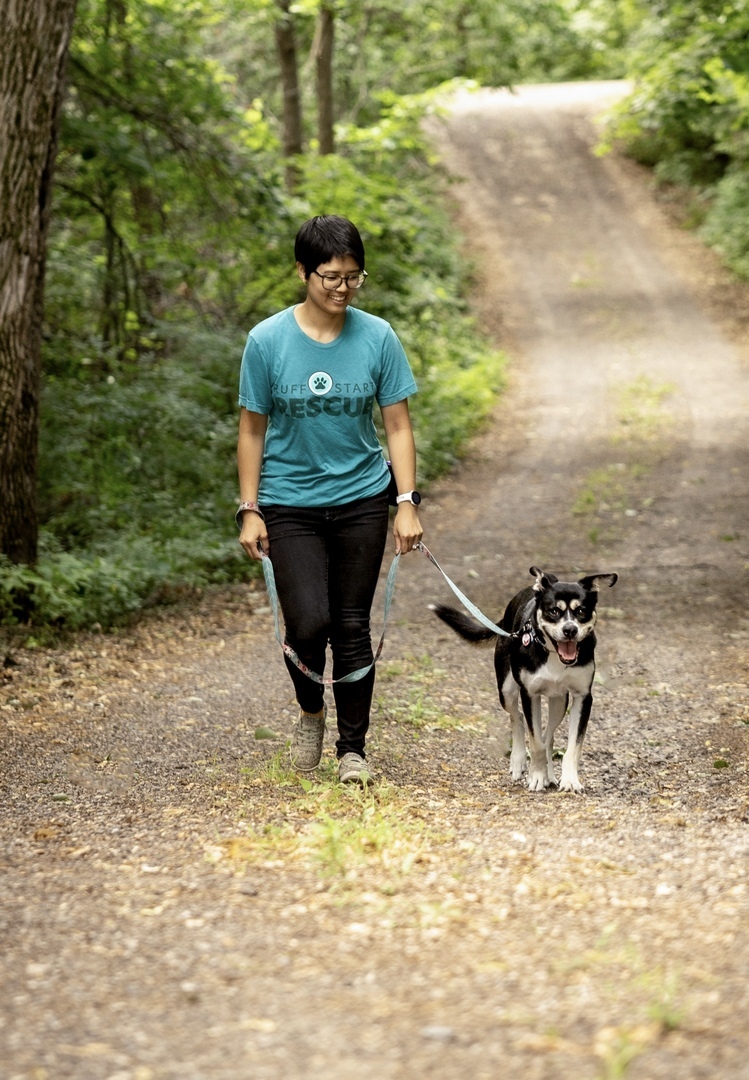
[(351, 637)]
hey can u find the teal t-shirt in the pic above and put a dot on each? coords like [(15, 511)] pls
[(321, 446)]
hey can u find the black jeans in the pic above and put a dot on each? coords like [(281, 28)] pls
[(326, 561)]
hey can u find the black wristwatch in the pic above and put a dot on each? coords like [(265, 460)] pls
[(409, 496)]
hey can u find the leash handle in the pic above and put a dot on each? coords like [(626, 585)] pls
[(477, 614), (323, 680)]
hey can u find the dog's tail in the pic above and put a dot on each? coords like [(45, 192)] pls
[(463, 624)]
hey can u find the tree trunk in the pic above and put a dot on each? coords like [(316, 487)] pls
[(461, 40), (292, 108), (34, 40), (462, 48), (324, 62)]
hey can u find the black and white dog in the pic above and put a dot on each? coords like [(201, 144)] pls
[(550, 653)]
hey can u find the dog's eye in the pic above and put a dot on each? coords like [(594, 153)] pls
[(554, 613), (581, 614)]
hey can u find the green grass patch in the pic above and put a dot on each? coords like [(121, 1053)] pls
[(419, 705), (615, 491), (641, 413), (341, 832), (612, 488)]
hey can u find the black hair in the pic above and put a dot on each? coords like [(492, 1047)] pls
[(323, 238)]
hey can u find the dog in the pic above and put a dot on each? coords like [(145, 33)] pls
[(550, 652)]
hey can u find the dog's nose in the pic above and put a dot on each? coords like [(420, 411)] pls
[(570, 630)]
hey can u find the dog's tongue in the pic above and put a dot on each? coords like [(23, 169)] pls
[(567, 649)]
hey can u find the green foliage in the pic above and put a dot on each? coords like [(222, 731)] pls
[(131, 451), (68, 590), (137, 487), (604, 34), (459, 378), (688, 116), (163, 176), (726, 225), (411, 46)]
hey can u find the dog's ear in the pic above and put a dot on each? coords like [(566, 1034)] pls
[(543, 580), (590, 584)]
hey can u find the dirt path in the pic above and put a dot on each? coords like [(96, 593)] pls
[(175, 904)]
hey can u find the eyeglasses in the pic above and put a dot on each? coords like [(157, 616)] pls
[(333, 281)]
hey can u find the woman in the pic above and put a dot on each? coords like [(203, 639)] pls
[(313, 479)]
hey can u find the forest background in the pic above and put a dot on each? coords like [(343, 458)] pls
[(196, 136)]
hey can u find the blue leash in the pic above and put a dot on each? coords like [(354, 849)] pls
[(354, 676), (477, 614)]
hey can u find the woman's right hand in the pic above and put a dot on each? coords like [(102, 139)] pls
[(254, 535)]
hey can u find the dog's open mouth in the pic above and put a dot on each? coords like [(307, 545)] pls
[(567, 651)]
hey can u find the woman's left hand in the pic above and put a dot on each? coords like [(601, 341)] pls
[(407, 530)]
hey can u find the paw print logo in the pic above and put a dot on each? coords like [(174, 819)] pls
[(320, 383)]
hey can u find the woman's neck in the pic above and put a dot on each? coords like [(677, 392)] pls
[(317, 324)]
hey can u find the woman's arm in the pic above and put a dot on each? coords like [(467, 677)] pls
[(250, 446), (407, 529)]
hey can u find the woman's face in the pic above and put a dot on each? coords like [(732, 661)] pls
[(332, 301)]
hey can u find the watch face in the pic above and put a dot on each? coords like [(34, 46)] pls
[(415, 498)]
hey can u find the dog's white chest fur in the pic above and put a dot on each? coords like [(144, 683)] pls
[(554, 678)]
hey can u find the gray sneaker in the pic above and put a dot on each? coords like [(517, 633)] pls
[(353, 769), (306, 743)]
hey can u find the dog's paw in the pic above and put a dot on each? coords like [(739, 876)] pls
[(538, 780), (518, 765), (571, 783)]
